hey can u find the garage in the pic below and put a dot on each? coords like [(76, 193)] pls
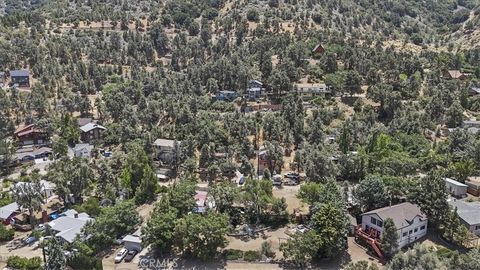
[(132, 242)]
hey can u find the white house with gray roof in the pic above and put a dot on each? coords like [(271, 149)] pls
[(469, 213), (70, 225), (409, 220)]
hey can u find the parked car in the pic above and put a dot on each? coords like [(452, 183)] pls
[(302, 228), (291, 182), (277, 180), (120, 255), (29, 240), (130, 255), (292, 175)]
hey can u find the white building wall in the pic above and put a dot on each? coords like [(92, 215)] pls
[(411, 235)]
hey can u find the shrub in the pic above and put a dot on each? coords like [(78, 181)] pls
[(252, 15), (251, 256), (6, 234), (81, 261), (233, 254), (20, 263), (266, 249)]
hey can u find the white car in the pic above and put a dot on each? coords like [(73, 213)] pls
[(120, 255)]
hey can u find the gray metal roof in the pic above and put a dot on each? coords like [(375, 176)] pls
[(455, 183), (19, 73), (69, 227), (7, 210), (164, 143), (402, 214), (132, 238), (91, 126), (467, 211)]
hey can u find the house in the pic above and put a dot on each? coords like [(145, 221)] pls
[(91, 132), (201, 200), (255, 84), (254, 93), (132, 242), (226, 95), (471, 124), (31, 135), (69, 226), (474, 91), (473, 185), (47, 188), (81, 150), (313, 88), (165, 151), (84, 121), (469, 213), (8, 212), (44, 215), (409, 220), (455, 188), (319, 49), (29, 154), (454, 75), (20, 77)]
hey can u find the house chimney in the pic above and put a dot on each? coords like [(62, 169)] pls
[(75, 215)]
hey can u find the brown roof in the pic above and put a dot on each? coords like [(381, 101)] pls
[(401, 214), (26, 130)]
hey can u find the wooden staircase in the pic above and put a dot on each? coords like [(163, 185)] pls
[(371, 240)]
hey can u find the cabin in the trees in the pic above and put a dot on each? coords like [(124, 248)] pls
[(474, 91), (313, 88), (454, 75), (91, 132), (409, 220), (255, 90), (226, 95), (20, 77), (318, 50), (455, 188), (81, 150), (165, 151), (31, 135), (255, 84)]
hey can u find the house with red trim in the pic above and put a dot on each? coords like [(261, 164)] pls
[(31, 135)]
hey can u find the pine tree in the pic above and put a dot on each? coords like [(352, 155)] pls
[(55, 258), (389, 238)]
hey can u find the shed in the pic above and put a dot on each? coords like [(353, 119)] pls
[(132, 242), (455, 188), (473, 184)]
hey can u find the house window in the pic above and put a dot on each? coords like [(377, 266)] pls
[(373, 220), (410, 232), (404, 234), (416, 230), (379, 223), (477, 227), (422, 228)]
